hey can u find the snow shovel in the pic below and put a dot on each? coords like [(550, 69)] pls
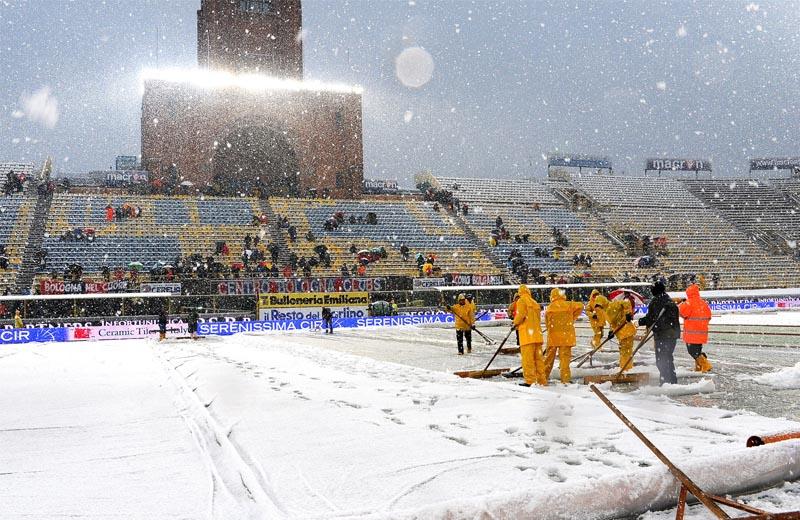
[(480, 374), (620, 377), (487, 339), (588, 355)]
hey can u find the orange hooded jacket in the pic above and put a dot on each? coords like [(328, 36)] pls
[(696, 314)]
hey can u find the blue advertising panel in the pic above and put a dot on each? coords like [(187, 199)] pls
[(236, 327)]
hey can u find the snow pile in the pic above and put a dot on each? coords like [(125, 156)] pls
[(704, 386), (787, 378)]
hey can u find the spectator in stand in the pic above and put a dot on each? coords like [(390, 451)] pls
[(287, 271), (307, 270), (310, 236), (436, 206), (274, 251), (109, 213), (292, 233), (248, 240), (498, 222), (404, 252), (225, 250), (362, 270), (18, 320), (344, 271), (353, 249)]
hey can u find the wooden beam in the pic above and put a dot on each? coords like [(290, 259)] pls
[(676, 472), (681, 504)]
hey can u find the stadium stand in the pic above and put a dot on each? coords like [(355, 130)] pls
[(523, 191), (413, 223), (16, 215), (531, 207), (755, 207), (167, 228), (698, 240), (612, 190)]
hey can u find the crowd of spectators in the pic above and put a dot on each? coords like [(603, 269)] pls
[(15, 183), (125, 211)]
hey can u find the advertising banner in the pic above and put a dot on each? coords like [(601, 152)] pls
[(427, 283), (776, 163), (249, 287), (168, 288), (125, 178), (10, 336), (238, 327), (82, 287), (378, 186), (308, 306), (475, 279), (579, 161), (685, 165), (104, 332)]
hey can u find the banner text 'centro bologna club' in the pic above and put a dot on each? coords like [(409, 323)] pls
[(308, 306)]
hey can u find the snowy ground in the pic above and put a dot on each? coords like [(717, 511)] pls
[(367, 423)]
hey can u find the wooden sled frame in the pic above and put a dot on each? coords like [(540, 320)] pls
[(711, 502)]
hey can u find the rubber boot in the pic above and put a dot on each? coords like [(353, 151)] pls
[(705, 365)]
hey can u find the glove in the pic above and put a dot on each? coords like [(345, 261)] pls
[(513, 327), (610, 335), (629, 317)]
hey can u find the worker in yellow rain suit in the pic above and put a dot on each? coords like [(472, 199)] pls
[(597, 318), (465, 319), (528, 324), (619, 314), (560, 318)]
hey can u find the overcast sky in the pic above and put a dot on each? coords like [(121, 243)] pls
[(511, 80)]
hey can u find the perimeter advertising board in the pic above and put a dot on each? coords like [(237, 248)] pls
[(308, 306)]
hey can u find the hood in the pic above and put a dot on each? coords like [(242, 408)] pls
[(556, 294), (693, 292), (524, 291), (601, 300)]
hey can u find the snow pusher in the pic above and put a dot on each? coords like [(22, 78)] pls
[(587, 356), (620, 377), (711, 502), (480, 374)]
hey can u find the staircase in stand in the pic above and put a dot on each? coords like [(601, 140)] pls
[(458, 219), (278, 236), (29, 265)]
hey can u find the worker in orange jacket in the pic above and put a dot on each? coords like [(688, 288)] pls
[(560, 318), (464, 318), (528, 324), (619, 316), (696, 315)]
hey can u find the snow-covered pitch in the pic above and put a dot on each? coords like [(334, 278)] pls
[(361, 424)]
